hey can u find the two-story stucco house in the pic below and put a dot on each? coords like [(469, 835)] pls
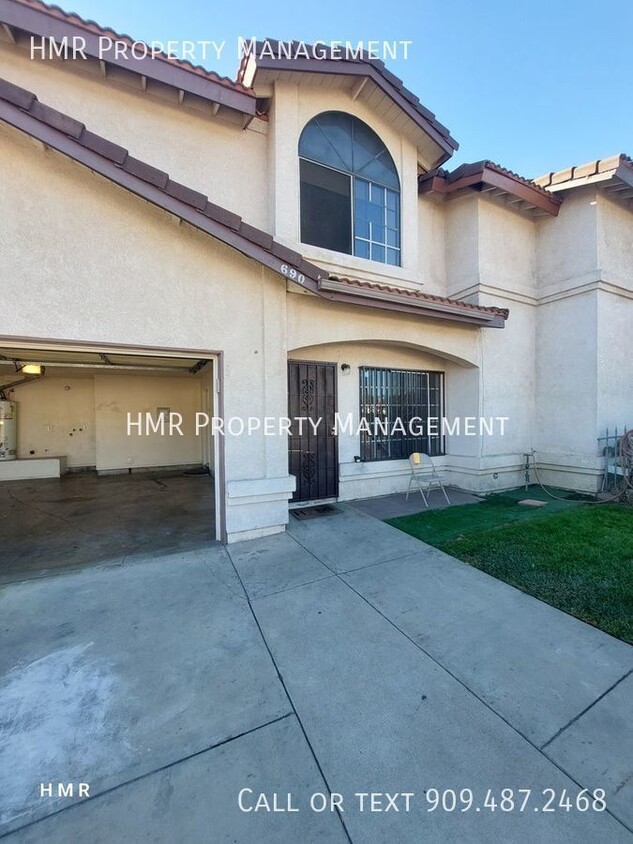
[(292, 244)]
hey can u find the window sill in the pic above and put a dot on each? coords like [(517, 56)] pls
[(337, 263), (394, 459)]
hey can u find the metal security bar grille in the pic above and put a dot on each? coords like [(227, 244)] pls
[(406, 397)]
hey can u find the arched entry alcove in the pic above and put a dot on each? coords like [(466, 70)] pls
[(349, 380)]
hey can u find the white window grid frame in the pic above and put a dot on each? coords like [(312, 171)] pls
[(385, 209)]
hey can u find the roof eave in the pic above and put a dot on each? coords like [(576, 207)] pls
[(491, 178), (622, 174), (17, 16), (395, 301), (446, 143)]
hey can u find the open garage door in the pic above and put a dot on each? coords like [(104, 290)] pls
[(103, 456)]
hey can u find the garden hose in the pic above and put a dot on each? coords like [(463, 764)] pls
[(628, 437)]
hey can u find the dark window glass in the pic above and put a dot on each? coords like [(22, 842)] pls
[(345, 147), (400, 394), (326, 217), (328, 140)]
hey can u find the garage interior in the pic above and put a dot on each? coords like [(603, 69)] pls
[(75, 487)]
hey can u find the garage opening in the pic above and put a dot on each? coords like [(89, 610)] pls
[(103, 455)]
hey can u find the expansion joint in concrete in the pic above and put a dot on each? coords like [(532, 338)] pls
[(585, 710)]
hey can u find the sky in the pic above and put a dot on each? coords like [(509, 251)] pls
[(534, 86)]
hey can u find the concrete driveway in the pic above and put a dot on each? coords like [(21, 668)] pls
[(341, 657)]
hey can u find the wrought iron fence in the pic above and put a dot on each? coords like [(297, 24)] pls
[(616, 446)]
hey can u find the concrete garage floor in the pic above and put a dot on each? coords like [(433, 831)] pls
[(82, 519), (342, 655)]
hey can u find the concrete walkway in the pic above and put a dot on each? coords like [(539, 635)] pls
[(397, 504), (342, 656)]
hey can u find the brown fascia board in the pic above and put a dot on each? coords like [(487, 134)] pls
[(41, 23), (421, 116), (22, 110), (414, 301), (482, 174)]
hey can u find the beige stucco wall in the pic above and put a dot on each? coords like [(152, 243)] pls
[(615, 361), (432, 240), (567, 251), (462, 244), (82, 260), (566, 377), (312, 321), (615, 314), (481, 372), (614, 241), (199, 150), (584, 375), (294, 107), (507, 248)]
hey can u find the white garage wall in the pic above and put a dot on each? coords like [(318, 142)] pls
[(56, 418), (84, 418), (116, 395)]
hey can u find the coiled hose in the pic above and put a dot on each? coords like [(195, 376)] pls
[(625, 448)]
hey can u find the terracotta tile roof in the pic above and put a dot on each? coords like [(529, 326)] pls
[(33, 18), (330, 63), (418, 295), (487, 172), (22, 109), (581, 173), (486, 165), (97, 29)]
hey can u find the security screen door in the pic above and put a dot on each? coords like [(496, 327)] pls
[(312, 448)]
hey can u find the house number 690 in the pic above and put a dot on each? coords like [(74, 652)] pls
[(292, 273)]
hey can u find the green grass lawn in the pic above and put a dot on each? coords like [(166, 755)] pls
[(577, 558)]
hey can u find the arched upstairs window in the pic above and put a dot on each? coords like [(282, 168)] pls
[(350, 192)]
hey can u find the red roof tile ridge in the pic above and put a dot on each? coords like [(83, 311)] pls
[(581, 171), (417, 294), (479, 167), (380, 68), (98, 29)]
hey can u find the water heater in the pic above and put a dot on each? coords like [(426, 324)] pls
[(8, 430)]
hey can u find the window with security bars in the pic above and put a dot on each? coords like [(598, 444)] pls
[(411, 397)]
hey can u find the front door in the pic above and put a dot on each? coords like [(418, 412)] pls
[(312, 455)]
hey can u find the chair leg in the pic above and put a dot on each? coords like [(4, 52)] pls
[(406, 498), (426, 503), (445, 495)]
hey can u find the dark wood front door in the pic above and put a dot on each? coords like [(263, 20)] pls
[(312, 447)]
